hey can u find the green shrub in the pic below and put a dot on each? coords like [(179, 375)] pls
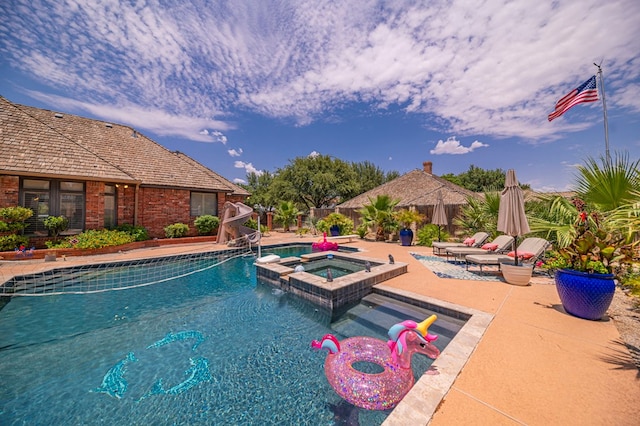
[(94, 239), (206, 224), (362, 230), (176, 230), (11, 242), (428, 233), (56, 225), (343, 222), (13, 218), (139, 233), (253, 224)]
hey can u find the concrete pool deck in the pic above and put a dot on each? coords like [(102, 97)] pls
[(535, 364)]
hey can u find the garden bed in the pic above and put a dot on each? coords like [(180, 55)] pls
[(40, 253)]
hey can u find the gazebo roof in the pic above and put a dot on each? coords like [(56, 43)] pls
[(417, 188)]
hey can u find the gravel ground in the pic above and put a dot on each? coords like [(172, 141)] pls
[(625, 312)]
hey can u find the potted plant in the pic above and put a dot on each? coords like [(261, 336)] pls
[(586, 267), (406, 218), (336, 224)]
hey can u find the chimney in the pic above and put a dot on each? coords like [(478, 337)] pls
[(428, 167)]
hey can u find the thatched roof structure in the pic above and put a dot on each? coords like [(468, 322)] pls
[(417, 188)]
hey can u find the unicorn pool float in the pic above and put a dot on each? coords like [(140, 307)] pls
[(324, 245), (377, 391)]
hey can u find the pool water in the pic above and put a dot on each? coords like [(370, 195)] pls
[(338, 267), (239, 353)]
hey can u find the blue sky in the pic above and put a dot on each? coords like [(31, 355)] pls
[(249, 85)]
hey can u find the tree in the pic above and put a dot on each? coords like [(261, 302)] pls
[(479, 180), (369, 176), (315, 181), (286, 214), (260, 187), (379, 215), (609, 185), (480, 215)]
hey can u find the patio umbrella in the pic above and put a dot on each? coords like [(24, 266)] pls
[(511, 216), (439, 216)]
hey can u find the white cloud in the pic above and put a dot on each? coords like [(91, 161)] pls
[(157, 121), (248, 167), (313, 154), (240, 181), (453, 146), (495, 70), (234, 152)]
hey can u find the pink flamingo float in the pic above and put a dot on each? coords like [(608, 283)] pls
[(378, 391), (324, 245)]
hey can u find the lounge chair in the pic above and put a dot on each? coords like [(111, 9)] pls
[(500, 245), (531, 248), (477, 240)]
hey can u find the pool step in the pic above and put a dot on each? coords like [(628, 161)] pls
[(375, 314)]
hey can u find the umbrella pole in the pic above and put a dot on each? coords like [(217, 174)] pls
[(515, 250), (438, 232)]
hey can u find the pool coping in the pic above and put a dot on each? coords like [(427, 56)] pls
[(333, 295), (420, 404)]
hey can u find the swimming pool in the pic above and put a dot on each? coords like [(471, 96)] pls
[(239, 354)]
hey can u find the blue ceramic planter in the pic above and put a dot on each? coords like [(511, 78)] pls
[(334, 230), (406, 237), (585, 295)]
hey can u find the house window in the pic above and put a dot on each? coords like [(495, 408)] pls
[(204, 203), (53, 198), (110, 216)]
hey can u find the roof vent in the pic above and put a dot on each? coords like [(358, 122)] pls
[(134, 134), (58, 115), (109, 125)]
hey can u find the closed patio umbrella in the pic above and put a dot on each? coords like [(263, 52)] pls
[(512, 219), (439, 216)]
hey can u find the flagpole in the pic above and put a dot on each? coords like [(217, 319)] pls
[(604, 111)]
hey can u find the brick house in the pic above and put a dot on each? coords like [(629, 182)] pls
[(100, 174)]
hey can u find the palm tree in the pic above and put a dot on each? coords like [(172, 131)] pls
[(379, 215), (286, 214), (609, 185), (480, 215), (552, 217)]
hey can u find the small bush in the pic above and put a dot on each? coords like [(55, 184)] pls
[(206, 224), (428, 233), (176, 230), (94, 239), (11, 242), (343, 222), (13, 218), (56, 225), (139, 233), (253, 224)]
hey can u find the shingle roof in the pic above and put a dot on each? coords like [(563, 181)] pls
[(28, 146), (416, 188), (45, 142)]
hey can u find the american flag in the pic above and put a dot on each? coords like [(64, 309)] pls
[(586, 92)]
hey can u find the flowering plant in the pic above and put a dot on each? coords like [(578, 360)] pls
[(593, 249)]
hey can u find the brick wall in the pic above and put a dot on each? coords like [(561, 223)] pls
[(9, 191), (94, 205), (125, 202), (159, 207)]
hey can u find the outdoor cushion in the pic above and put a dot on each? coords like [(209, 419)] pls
[(469, 242), (522, 255), (490, 247)]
